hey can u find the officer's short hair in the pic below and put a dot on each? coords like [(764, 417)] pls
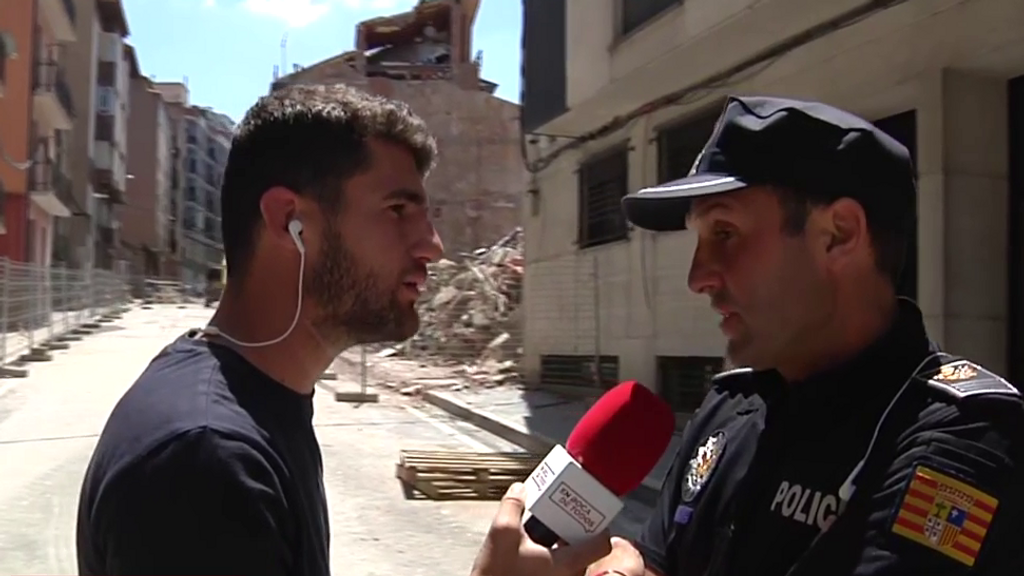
[(889, 244)]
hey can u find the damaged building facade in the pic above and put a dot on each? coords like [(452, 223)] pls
[(621, 94), (424, 57)]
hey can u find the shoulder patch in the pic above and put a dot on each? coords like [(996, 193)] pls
[(700, 467), (963, 378), (945, 515)]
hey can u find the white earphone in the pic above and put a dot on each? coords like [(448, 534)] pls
[(295, 230)]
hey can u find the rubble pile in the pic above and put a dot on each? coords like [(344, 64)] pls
[(470, 313)]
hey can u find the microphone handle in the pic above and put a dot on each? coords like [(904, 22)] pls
[(540, 533)]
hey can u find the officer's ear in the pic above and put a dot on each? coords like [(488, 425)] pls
[(844, 231)]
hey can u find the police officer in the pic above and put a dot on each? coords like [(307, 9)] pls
[(849, 445)]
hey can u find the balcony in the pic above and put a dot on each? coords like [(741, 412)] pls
[(50, 189), (107, 186), (52, 106), (60, 14)]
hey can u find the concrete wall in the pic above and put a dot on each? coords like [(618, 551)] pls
[(630, 298), (476, 190)]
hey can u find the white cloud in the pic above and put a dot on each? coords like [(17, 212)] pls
[(299, 13)]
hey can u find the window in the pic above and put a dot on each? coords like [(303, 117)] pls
[(635, 13), (683, 381), (679, 145), (581, 371), (603, 181), (105, 100)]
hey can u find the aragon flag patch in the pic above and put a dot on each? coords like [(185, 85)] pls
[(945, 514)]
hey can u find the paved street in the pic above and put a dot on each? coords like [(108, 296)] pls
[(49, 423)]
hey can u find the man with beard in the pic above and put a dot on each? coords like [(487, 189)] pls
[(848, 444), (209, 464)]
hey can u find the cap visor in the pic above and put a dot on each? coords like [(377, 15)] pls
[(663, 208)]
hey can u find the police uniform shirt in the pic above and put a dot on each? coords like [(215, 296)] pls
[(755, 488)]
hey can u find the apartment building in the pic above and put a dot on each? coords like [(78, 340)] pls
[(144, 217), (622, 94), (37, 112), (207, 142), (100, 68), (176, 102), (424, 57)]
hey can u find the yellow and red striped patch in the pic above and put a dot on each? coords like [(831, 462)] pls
[(945, 514)]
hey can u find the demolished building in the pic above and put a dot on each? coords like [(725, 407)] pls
[(423, 57)]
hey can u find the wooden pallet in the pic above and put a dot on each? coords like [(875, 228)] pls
[(449, 475)]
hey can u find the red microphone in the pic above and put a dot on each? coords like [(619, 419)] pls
[(574, 493)]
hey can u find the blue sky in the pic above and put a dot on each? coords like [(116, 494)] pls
[(228, 48)]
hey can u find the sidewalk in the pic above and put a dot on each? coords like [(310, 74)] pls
[(62, 327)]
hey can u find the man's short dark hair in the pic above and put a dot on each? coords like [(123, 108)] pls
[(888, 240), (310, 139)]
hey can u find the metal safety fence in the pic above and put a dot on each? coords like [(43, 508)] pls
[(42, 309)]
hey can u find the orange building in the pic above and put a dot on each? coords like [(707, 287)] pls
[(36, 117)]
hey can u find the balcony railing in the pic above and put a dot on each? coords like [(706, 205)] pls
[(47, 176), (69, 5), (49, 77)]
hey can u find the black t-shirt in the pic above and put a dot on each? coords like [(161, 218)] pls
[(206, 466), (756, 486)]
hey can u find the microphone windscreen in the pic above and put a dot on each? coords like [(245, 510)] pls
[(622, 437)]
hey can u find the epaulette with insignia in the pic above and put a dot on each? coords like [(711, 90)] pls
[(963, 378)]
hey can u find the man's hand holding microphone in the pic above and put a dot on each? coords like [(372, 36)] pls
[(573, 495), (508, 551)]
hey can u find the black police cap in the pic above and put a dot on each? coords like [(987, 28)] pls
[(816, 150)]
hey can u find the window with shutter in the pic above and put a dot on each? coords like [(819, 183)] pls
[(636, 13), (584, 371), (603, 180), (683, 381), (679, 145)]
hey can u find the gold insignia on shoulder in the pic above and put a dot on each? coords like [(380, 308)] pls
[(956, 372), (963, 378), (700, 467)]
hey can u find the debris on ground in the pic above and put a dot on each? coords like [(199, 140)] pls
[(470, 317)]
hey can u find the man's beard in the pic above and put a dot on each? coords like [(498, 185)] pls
[(355, 305)]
